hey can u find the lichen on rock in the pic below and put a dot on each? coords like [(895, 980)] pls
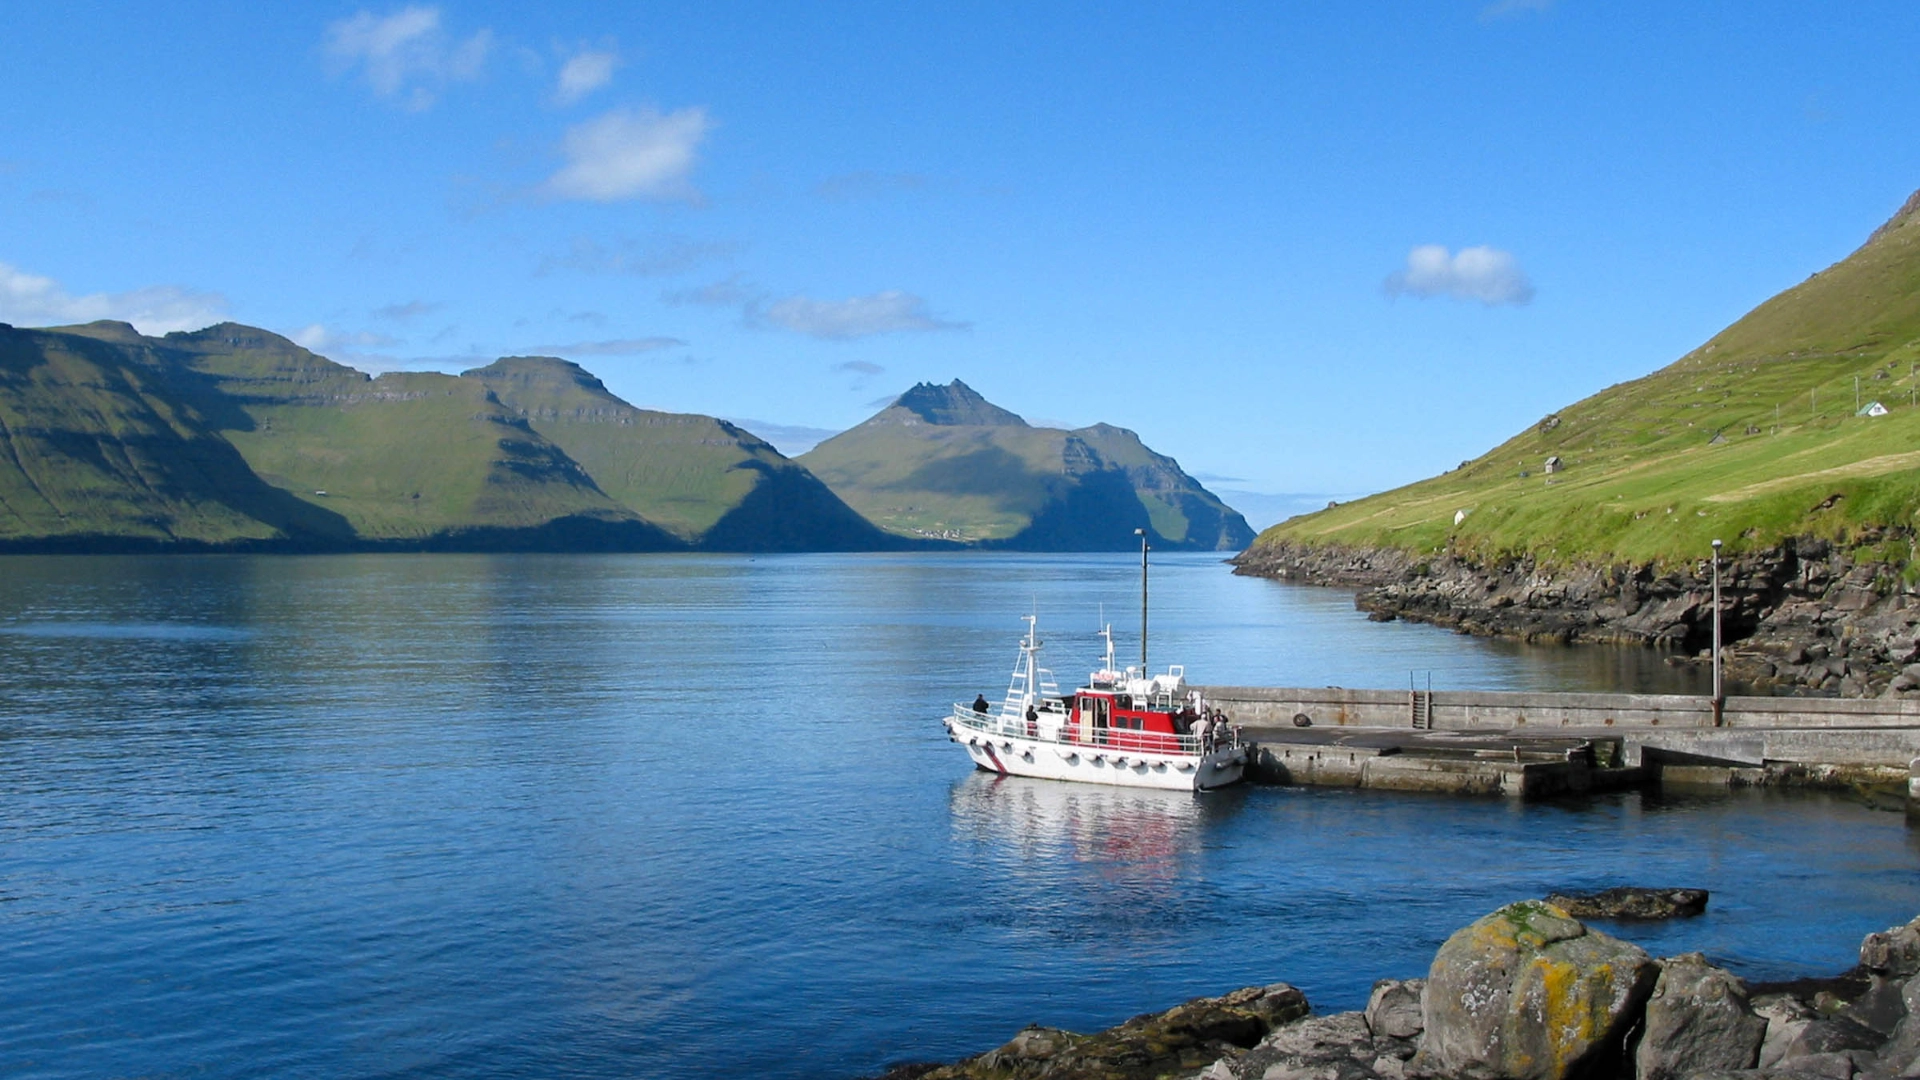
[(1528, 993)]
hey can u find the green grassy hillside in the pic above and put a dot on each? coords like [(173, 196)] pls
[(99, 449), (942, 462), (407, 456), (705, 480), (1752, 438)]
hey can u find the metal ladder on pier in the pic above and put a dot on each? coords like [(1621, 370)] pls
[(1420, 703)]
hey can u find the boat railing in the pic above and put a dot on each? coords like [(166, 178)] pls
[(1066, 733)]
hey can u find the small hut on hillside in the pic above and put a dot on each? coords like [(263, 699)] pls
[(1553, 465)]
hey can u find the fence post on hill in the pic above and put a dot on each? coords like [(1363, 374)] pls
[(1719, 699)]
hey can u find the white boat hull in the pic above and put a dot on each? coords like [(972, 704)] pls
[(1014, 755)]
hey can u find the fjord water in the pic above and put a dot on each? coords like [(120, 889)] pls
[(528, 816)]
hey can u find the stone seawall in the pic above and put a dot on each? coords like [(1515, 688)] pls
[(1542, 744), (1810, 615)]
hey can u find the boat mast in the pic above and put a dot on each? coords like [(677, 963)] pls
[(1142, 534)]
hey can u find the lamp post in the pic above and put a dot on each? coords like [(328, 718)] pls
[(1719, 699), (1142, 534)]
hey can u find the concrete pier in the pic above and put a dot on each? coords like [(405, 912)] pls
[(1530, 745)]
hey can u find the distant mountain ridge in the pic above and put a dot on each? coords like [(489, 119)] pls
[(942, 462), (236, 438)]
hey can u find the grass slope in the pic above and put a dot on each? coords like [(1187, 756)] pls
[(406, 456), (98, 449), (1751, 438), (944, 463), (708, 482)]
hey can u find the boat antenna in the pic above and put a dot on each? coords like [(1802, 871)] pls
[(1142, 534)]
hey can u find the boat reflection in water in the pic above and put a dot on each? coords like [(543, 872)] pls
[(1084, 829)]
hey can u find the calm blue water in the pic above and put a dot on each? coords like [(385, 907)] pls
[(693, 816)]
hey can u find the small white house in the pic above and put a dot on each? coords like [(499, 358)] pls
[(1873, 408)]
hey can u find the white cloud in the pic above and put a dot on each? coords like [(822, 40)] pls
[(860, 367), (28, 299), (631, 154), (583, 73), (854, 317), (1486, 274), (317, 338), (406, 56)]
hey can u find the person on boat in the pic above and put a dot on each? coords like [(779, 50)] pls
[(1033, 721), (980, 704), (1201, 731)]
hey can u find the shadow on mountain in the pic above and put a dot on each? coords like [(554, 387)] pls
[(990, 470), (1097, 513), (791, 510)]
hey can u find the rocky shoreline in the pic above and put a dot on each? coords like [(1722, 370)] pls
[(1809, 616), (1526, 993)]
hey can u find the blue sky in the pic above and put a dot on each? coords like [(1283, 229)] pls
[(1318, 249)]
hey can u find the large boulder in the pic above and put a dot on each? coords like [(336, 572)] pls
[(1697, 1019), (1528, 993)]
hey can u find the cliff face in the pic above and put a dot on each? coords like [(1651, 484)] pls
[(1807, 616)]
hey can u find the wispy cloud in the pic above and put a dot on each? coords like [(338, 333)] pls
[(631, 154), (406, 312), (733, 291), (790, 439), (868, 185), (583, 73), (1503, 9), (615, 347), (31, 300), (316, 337), (407, 56), (886, 312), (654, 256), (860, 367), (1486, 274), (891, 311)]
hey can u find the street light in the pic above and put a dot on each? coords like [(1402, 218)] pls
[(1719, 699), (1142, 534)]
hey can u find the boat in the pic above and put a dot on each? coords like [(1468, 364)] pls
[(1123, 727)]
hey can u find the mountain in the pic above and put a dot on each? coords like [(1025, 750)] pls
[(943, 462), (1753, 438), (99, 450), (707, 481), (235, 438)]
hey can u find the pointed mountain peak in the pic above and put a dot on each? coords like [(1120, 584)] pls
[(953, 405)]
